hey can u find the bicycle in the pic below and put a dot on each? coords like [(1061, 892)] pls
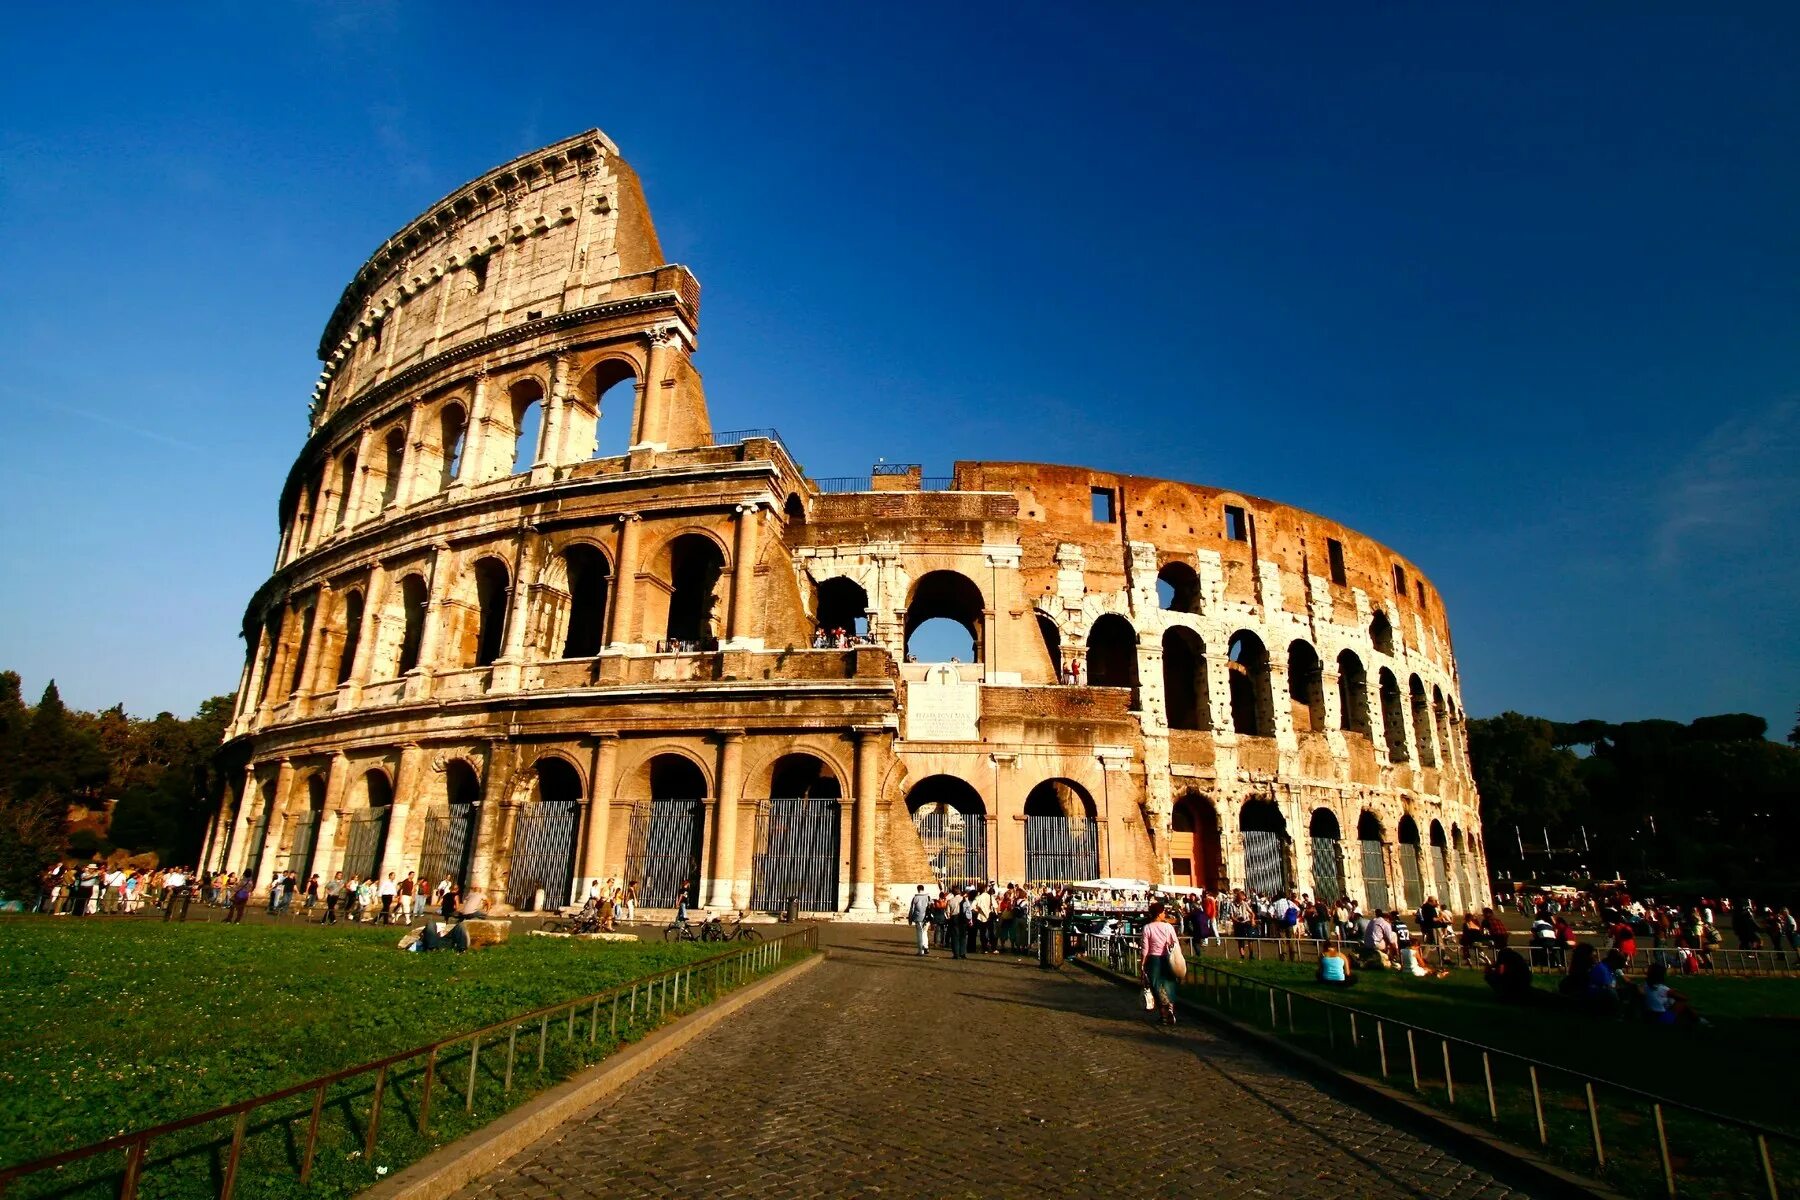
[(680, 931), (585, 921), (740, 932)]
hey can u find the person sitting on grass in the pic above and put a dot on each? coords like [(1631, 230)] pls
[(1334, 966), (1510, 977), (1663, 1005), (1381, 949)]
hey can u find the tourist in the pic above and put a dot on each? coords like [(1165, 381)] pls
[(1509, 975), (1154, 945), (403, 897), (1243, 922), (681, 904), (353, 898), (1432, 922), (176, 882), (469, 907), (1743, 926), (240, 899), (334, 895), (312, 894), (389, 892), (1380, 947), (1334, 966), (1663, 1005), (449, 898), (1408, 958), (959, 925), (631, 900), (1543, 939), (983, 909), (918, 915)]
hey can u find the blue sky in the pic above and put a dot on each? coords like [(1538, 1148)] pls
[(1514, 290)]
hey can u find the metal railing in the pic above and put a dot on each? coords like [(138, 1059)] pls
[(1645, 1143), (629, 1009), (731, 437), (839, 484)]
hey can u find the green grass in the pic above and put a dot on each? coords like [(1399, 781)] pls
[(1740, 1066), (108, 1026)]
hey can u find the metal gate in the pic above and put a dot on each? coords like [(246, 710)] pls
[(259, 833), (543, 853), (365, 835), (1411, 875), (955, 844), (1060, 850), (449, 837), (1328, 868), (1375, 885), (304, 846), (1265, 870), (796, 855), (1442, 855), (664, 849)]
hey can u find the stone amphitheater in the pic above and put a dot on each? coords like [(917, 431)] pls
[(534, 623)]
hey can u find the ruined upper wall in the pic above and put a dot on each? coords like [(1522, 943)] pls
[(560, 228)]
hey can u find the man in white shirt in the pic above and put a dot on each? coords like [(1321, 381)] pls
[(390, 887), (918, 914), (984, 920)]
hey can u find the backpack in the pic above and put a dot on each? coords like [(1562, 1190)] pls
[(1291, 917)]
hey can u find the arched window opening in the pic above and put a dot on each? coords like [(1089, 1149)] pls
[(527, 398), (413, 600), (1369, 836), (297, 675), (1265, 835), (1381, 634), (952, 825), (1393, 718), (1327, 855), (615, 389), (394, 463), (1353, 694), (1306, 687), (1195, 851), (346, 483), (492, 583), (1178, 588), (944, 619), (272, 626), (1441, 715), (1184, 680), (544, 838), (1412, 874), (803, 777), (1062, 833), (843, 609), (794, 510), (309, 511), (673, 777), (1052, 644), (1421, 714), (353, 622), (1252, 705), (695, 566), (589, 580), (453, 429), (1112, 655)]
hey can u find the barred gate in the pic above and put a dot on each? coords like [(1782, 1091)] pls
[(543, 853), (796, 855), (1328, 868), (1442, 855), (1411, 875), (1060, 850), (449, 839), (1265, 869), (664, 849), (955, 845), (366, 833), (1375, 881), (259, 833), (304, 846)]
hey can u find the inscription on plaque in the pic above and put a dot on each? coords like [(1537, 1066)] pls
[(943, 707)]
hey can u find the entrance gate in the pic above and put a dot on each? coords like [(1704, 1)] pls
[(664, 849), (259, 833), (955, 844), (1265, 870), (449, 837), (1328, 868), (1411, 874), (365, 834), (543, 853), (1442, 855), (1061, 850), (1375, 885), (796, 855), (303, 847)]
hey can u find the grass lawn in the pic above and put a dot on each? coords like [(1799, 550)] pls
[(109, 1025)]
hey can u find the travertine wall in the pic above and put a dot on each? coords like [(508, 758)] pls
[(488, 649)]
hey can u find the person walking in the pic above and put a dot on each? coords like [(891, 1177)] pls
[(983, 908), (334, 895), (918, 915), (177, 889), (390, 891), (240, 898), (404, 897), (959, 925), (1154, 945)]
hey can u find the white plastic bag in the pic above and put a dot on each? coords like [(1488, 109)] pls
[(1149, 1000), (1177, 960)]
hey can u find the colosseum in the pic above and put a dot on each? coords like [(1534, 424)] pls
[(535, 623)]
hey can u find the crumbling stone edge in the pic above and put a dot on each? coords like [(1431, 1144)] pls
[(1490, 1150), (453, 1166)]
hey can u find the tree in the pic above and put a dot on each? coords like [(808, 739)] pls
[(1794, 733)]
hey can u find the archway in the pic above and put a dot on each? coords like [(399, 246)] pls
[(414, 597), (1112, 655), (1381, 634), (1052, 644), (797, 837), (352, 631), (1264, 833), (453, 429), (527, 410), (1252, 705), (1062, 833), (943, 608), (303, 844), (952, 825), (1194, 849), (1184, 680), (1327, 856), (1306, 687), (1463, 854), (843, 604), (492, 584), (1440, 861), (1370, 836), (366, 826), (449, 841), (1178, 588), (544, 834), (589, 584), (1393, 718), (667, 832), (695, 565), (1353, 694), (1412, 875), (1421, 715)]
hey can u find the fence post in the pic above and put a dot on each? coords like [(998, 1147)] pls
[(1381, 1046), (1594, 1121), (237, 1151), (512, 1048), (474, 1056), (1487, 1074), (1290, 1008), (1449, 1082), (1762, 1150), (543, 1040), (612, 1028), (594, 1022), (1662, 1147), (1412, 1058), (312, 1136), (374, 1115), (134, 1167), (425, 1092), (1272, 1020), (1537, 1104)]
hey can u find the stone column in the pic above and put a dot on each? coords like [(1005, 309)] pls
[(353, 512), (719, 890), (272, 832), (474, 441), (555, 416), (337, 777), (862, 879), (251, 702), (374, 599), (410, 483), (652, 409), (599, 810), (248, 802), (624, 612), (743, 579), (406, 785)]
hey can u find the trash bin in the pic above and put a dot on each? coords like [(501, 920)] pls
[(1050, 944), (791, 912)]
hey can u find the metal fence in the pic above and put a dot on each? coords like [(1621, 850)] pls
[(418, 1079), (796, 855), (731, 437), (1059, 849), (365, 836), (1643, 1143), (663, 849)]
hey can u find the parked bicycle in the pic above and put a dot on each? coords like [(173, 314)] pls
[(681, 931), (740, 932), (585, 921)]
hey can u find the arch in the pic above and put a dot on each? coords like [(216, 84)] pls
[(353, 623), (1264, 833), (1178, 588), (1252, 705), (1196, 854), (804, 776), (695, 564), (452, 439), (296, 675), (1393, 718), (307, 511), (1324, 823), (1353, 694), (1381, 634), (1421, 715), (1112, 654), (951, 599), (797, 836), (1062, 834), (951, 822), (1306, 687), (303, 843), (1412, 863), (794, 509), (1440, 862), (1185, 693), (272, 627), (346, 484), (1370, 835), (608, 397), (366, 824), (843, 604), (414, 598), (589, 578), (1327, 855), (493, 584), (1052, 637), (525, 404), (447, 846), (1442, 720), (668, 833), (393, 465), (544, 835)]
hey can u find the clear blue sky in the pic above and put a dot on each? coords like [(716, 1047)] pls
[(1514, 290)]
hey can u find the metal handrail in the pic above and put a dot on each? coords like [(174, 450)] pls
[(1118, 949), (137, 1142), (731, 437)]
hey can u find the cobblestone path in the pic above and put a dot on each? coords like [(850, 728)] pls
[(882, 1074)]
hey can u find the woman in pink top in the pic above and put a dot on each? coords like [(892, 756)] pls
[(1153, 951)]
